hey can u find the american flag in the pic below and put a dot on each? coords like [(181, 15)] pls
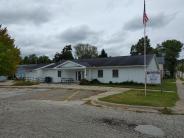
[(145, 17)]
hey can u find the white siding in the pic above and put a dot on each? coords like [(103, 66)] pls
[(51, 73), (135, 74), (68, 74)]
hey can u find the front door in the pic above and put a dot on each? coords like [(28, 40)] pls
[(79, 75)]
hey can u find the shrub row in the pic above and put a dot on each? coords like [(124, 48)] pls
[(96, 81)]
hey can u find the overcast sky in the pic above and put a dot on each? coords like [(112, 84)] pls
[(44, 27)]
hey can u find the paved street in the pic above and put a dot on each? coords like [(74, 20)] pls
[(61, 113)]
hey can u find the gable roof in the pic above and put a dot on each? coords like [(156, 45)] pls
[(111, 61)]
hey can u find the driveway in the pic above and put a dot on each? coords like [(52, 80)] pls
[(60, 113)]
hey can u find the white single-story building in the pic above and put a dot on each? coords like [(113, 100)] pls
[(112, 69)]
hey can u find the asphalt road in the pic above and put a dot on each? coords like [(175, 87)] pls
[(42, 113)]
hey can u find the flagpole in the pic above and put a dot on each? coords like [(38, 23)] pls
[(145, 66)]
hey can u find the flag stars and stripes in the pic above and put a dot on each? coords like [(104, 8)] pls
[(145, 17)]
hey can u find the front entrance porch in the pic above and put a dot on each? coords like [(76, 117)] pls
[(80, 75), (71, 75), (71, 72)]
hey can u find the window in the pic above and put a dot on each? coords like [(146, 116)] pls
[(59, 73), (100, 73), (115, 73)]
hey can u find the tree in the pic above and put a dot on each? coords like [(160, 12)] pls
[(34, 59), (103, 54), (44, 60), (57, 57), (171, 49), (66, 54), (83, 51), (25, 60), (9, 54), (138, 49)]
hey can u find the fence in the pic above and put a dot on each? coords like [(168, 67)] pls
[(33, 79)]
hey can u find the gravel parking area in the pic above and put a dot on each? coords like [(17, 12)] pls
[(46, 94), (56, 113)]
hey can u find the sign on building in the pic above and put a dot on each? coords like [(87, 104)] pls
[(153, 77)]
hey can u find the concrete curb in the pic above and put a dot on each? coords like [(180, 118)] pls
[(127, 107), (135, 108)]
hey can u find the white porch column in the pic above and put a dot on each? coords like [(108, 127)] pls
[(85, 73)]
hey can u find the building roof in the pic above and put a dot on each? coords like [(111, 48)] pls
[(111, 61), (95, 62), (30, 67)]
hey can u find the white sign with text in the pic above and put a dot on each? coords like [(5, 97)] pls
[(153, 77)]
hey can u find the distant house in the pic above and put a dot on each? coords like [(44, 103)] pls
[(114, 69)]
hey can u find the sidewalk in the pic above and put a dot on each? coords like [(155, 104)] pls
[(179, 108)]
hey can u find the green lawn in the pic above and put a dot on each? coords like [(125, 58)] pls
[(24, 83), (167, 85), (134, 97)]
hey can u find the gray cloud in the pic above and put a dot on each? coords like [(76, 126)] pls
[(34, 15), (115, 38), (41, 26), (79, 34), (158, 21)]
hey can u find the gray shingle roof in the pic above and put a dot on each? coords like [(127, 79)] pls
[(112, 61), (30, 67)]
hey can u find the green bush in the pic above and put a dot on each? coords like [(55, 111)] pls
[(110, 82), (125, 83), (95, 81), (84, 82)]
